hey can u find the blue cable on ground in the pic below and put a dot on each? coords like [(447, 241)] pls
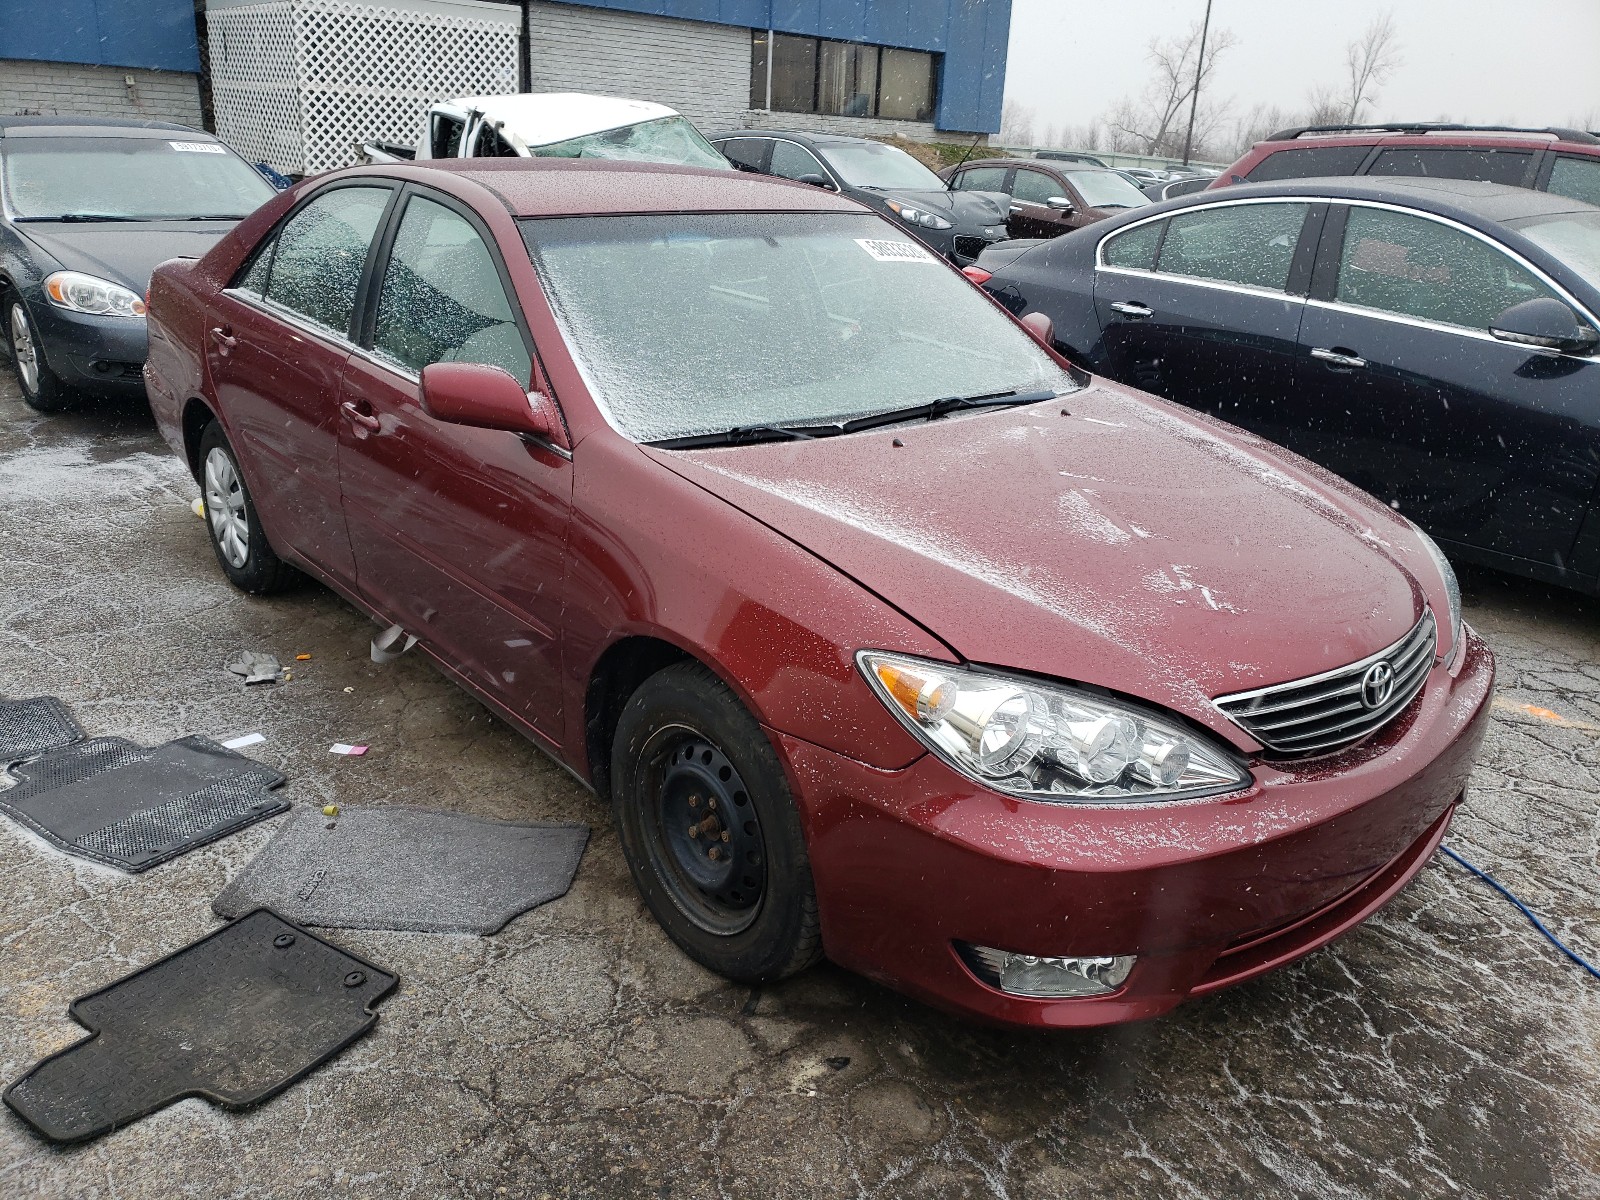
[(1526, 911)]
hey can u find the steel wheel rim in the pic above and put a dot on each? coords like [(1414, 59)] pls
[(701, 831), (225, 511), (27, 354)]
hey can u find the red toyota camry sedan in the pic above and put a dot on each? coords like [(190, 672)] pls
[(887, 633)]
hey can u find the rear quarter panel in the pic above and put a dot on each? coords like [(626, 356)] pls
[(1056, 278)]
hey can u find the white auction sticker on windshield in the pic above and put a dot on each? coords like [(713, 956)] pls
[(886, 251), (198, 147)]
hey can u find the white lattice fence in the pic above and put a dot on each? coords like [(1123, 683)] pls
[(354, 71)]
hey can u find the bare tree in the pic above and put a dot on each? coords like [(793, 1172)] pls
[(1016, 124), (1152, 122), (1369, 61)]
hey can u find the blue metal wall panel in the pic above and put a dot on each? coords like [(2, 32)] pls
[(971, 34), (157, 34)]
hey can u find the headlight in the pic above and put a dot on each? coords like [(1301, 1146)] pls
[(917, 216), (86, 294), (1452, 590), (1046, 741)]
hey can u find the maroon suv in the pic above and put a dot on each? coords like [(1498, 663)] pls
[(1563, 161)]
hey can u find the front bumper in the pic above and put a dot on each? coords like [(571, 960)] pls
[(961, 244), (96, 354), (1206, 893)]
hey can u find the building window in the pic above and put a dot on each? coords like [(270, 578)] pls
[(845, 79)]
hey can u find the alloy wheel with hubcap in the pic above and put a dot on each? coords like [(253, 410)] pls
[(23, 349), (225, 509)]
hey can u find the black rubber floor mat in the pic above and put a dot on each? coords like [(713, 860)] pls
[(383, 867), (235, 1018), (111, 801), (29, 727)]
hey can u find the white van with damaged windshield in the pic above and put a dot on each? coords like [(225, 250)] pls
[(554, 125)]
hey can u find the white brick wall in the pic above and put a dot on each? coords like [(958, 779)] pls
[(700, 69), (75, 89)]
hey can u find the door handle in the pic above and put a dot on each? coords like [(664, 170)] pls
[(222, 335), (1132, 308), (1338, 358), (356, 417)]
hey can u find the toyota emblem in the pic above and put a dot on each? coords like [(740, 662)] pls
[(1377, 685)]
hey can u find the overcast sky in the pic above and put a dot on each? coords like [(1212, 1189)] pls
[(1472, 60)]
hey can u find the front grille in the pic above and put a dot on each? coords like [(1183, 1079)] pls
[(1340, 706), (968, 246)]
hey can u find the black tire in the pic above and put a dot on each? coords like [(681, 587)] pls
[(684, 737), (42, 389), (243, 551)]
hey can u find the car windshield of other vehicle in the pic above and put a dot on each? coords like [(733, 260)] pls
[(879, 167), (129, 179), (1574, 238), (688, 325), (664, 140), (1107, 189)]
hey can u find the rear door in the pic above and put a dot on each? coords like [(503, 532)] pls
[(1204, 307), (276, 352), (1485, 444), (459, 533)]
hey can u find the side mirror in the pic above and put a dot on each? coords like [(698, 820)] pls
[(486, 397), (1546, 323), (815, 180), (1060, 204), (1042, 328)]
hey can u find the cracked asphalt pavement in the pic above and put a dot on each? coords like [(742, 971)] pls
[(1443, 1048)]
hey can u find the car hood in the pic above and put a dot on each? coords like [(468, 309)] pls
[(124, 252), (960, 208), (1132, 545)]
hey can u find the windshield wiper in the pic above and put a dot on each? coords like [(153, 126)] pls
[(741, 434), (211, 217), (935, 409), (83, 217)]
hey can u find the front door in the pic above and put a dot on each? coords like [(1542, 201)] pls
[(1041, 206), (1212, 321), (459, 533), (1483, 443), (276, 354)]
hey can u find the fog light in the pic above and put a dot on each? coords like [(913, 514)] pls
[(1046, 977)]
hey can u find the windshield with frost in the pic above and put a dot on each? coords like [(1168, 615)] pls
[(883, 168), (691, 324), (664, 140), (1107, 189), (129, 179)]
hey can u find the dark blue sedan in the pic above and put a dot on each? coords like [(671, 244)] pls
[(88, 207), (1434, 341)]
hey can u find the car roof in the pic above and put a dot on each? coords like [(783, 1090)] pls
[(1487, 201), (69, 125), (566, 187), (542, 118)]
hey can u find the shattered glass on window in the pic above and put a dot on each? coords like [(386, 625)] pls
[(442, 299), (1414, 267), (695, 324), (665, 140), (1251, 244), (321, 254)]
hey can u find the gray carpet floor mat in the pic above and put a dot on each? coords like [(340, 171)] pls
[(112, 801), (30, 727), (408, 869), (235, 1017)]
